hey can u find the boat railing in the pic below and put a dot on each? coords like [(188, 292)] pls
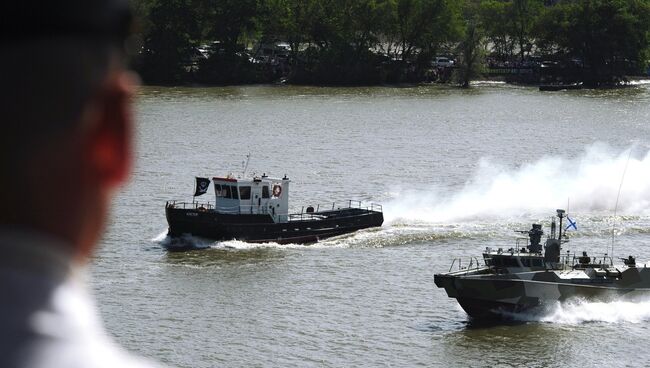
[(333, 206), (306, 213), (305, 216), (189, 205), (319, 212), (472, 264), (603, 260), (521, 243)]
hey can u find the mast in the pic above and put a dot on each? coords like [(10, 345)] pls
[(560, 214), (248, 159), (617, 198)]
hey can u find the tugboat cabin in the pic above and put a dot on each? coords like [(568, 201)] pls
[(261, 195)]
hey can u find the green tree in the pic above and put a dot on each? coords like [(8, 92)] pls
[(524, 15), (339, 37), (414, 19), (495, 15), (228, 21), (364, 21), (168, 45), (285, 20), (607, 36), (446, 27), (509, 24), (418, 29), (471, 49)]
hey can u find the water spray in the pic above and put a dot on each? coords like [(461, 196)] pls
[(617, 198)]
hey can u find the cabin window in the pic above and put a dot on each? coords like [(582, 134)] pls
[(226, 191), (217, 190), (525, 262), (233, 191), (537, 263), (244, 193), (265, 191)]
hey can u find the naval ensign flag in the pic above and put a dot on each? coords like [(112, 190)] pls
[(202, 185)]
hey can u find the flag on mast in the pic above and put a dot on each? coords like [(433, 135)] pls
[(572, 224), (202, 185)]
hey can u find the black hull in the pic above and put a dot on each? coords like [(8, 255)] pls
[(502, 297), (487, 310), (262, 229)]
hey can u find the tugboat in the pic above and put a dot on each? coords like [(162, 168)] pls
[(257, 211), (522, 279)]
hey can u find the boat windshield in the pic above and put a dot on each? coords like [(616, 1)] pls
[(245, 192), (224, 191)]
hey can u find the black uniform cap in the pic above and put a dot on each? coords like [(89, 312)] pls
[(103, 20)]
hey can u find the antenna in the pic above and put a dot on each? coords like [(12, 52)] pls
[(248, 158), (617, 197)]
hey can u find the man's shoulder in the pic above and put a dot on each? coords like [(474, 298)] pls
[(47, 319), (72, 354)]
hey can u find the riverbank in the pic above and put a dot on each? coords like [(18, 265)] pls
[(221, 70), (629, 81)]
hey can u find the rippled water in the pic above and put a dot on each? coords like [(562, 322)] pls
[(456, 171)]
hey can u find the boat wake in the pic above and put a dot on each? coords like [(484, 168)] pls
[(189, 242), (495, 192), (580, 311), (577, 312), (185, 242), (639, 82)]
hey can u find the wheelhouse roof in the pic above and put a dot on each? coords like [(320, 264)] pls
[(232, 180), (255, 179)]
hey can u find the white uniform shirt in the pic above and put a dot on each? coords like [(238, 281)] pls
[(46, 317)]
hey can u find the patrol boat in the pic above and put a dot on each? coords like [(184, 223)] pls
[(257, 211), (522, 279)]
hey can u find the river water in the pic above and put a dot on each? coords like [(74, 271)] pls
[(456, 171)]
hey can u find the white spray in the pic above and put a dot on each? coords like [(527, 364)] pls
[(591, 180)]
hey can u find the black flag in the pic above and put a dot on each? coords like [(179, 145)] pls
[(202, 185)]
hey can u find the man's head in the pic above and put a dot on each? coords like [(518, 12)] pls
[(65, 107)]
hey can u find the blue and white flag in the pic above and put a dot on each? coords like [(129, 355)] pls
[(572, 224)]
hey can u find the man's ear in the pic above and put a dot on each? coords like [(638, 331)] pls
[(110, 147)]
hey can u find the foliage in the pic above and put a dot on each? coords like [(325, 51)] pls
[(607, 37), (377, 41), (509, 25), (168, 45), (471, 49), (229, 20)]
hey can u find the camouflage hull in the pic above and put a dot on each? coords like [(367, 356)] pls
[(485, 295)]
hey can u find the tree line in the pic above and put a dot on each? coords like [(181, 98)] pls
[(357, 42)]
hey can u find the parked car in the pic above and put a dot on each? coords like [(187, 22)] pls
[(443, 62)]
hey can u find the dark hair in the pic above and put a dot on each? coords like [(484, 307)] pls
[(53, 54), (101, 20), (54, 57), (46, 86)]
